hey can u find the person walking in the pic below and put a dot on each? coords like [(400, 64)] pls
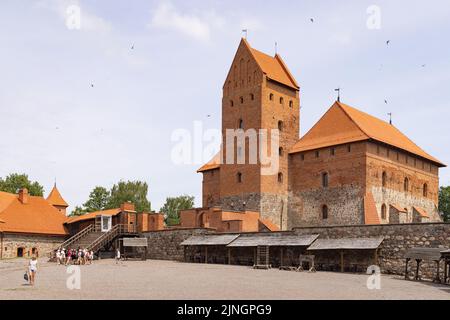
[(117, 256), (32, 269)]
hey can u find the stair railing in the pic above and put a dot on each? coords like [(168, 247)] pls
[(118, 229), (77, 237)]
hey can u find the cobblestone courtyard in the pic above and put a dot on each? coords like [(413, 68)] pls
[(171, 280)]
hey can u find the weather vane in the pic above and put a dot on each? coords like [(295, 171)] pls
[(390, 117), (338, 90), (245, 31)]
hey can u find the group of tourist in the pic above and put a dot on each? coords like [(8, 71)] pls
[(74, 256)]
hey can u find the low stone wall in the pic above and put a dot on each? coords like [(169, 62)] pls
[(165, 244), (28, 244), (398, 238)]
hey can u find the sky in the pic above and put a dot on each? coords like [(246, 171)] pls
[(95, 100)]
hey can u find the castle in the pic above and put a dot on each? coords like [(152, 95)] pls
[(349, 169)]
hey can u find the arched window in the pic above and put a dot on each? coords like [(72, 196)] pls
[(406, 185), (325, 179), (241, 99), (425, 190), (241, 124), (383, 211), (291, 103), (281, 100), (332, 151), (324, 212), (252, 96), (271, 97), (239, 177), (349, 148), (231, 103), (384, 179), (280, 177), (280, 151), (280, 125)]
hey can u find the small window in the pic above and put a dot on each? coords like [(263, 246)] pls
[(324, 212), (271, 97), (332, 151), (281, 100), (384, 179), (241, 99), (280, 177), (291, 103), (425, 190), (20, 252), (383, 212), (325, 180), (239, 177), (406, 185), (241, 124), (252, 96), (302, 156), (231, 103), (317, 154), (349, 148), (280, 151), (280, 125)]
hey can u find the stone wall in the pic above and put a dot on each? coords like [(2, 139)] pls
[(29, 244), (398, 238), (165, 244)]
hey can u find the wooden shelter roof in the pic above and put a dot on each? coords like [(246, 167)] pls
[(280, 239), (347, 243), (210, 240)]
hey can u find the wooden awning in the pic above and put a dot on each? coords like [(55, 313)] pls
[(347, 244), (272, 240), (210, 240)]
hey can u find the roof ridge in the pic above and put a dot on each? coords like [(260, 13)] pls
[(285, 68), (343, 106)]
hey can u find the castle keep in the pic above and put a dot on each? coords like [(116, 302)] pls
[(349, 169)]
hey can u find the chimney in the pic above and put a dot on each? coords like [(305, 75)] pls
[(127, 206), (23, 195)]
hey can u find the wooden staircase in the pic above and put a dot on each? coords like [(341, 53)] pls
[(262, 258)]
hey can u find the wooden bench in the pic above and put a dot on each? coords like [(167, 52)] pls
[(420, 254)]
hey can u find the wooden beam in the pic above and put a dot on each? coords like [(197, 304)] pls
[(342, 260), (281, 257), (206, 254), (229, 255)]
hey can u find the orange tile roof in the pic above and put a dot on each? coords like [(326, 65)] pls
[(55, 198), (274, 67), (422, 212), (398, 208), (370, 210), (37, 216), (343, 124), (269, 225), (214, 163), (92, 215)]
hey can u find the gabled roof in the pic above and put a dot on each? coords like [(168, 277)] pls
[(212, 164), (92, 215), (273, 67), (269, 225), (343, 124), (36, 216), (421, 212), (398, 208), (55, 198)]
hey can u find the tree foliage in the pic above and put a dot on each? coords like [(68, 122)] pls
[(98, 199), (444, 202), (101, 198), (172, 208), (15, 181)]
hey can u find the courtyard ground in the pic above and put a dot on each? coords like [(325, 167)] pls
[(154, 279)]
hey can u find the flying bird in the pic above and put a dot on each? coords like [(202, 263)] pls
[(132, 47), (385, 101), (387, 42), (92, 85), (209, 116), (423, 66), (311, 19)]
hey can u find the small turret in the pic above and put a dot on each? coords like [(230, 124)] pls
[(56, 200)]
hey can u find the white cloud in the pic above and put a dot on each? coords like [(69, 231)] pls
[(197, 26)]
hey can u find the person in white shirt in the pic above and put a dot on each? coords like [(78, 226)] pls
[(32, 269), (117, 256), (63, 256), (58, 257)]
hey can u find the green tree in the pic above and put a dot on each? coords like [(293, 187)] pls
[(172, 208), (133, 191), (444, 202), (98, 199), (78, 211), (15, 181)]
